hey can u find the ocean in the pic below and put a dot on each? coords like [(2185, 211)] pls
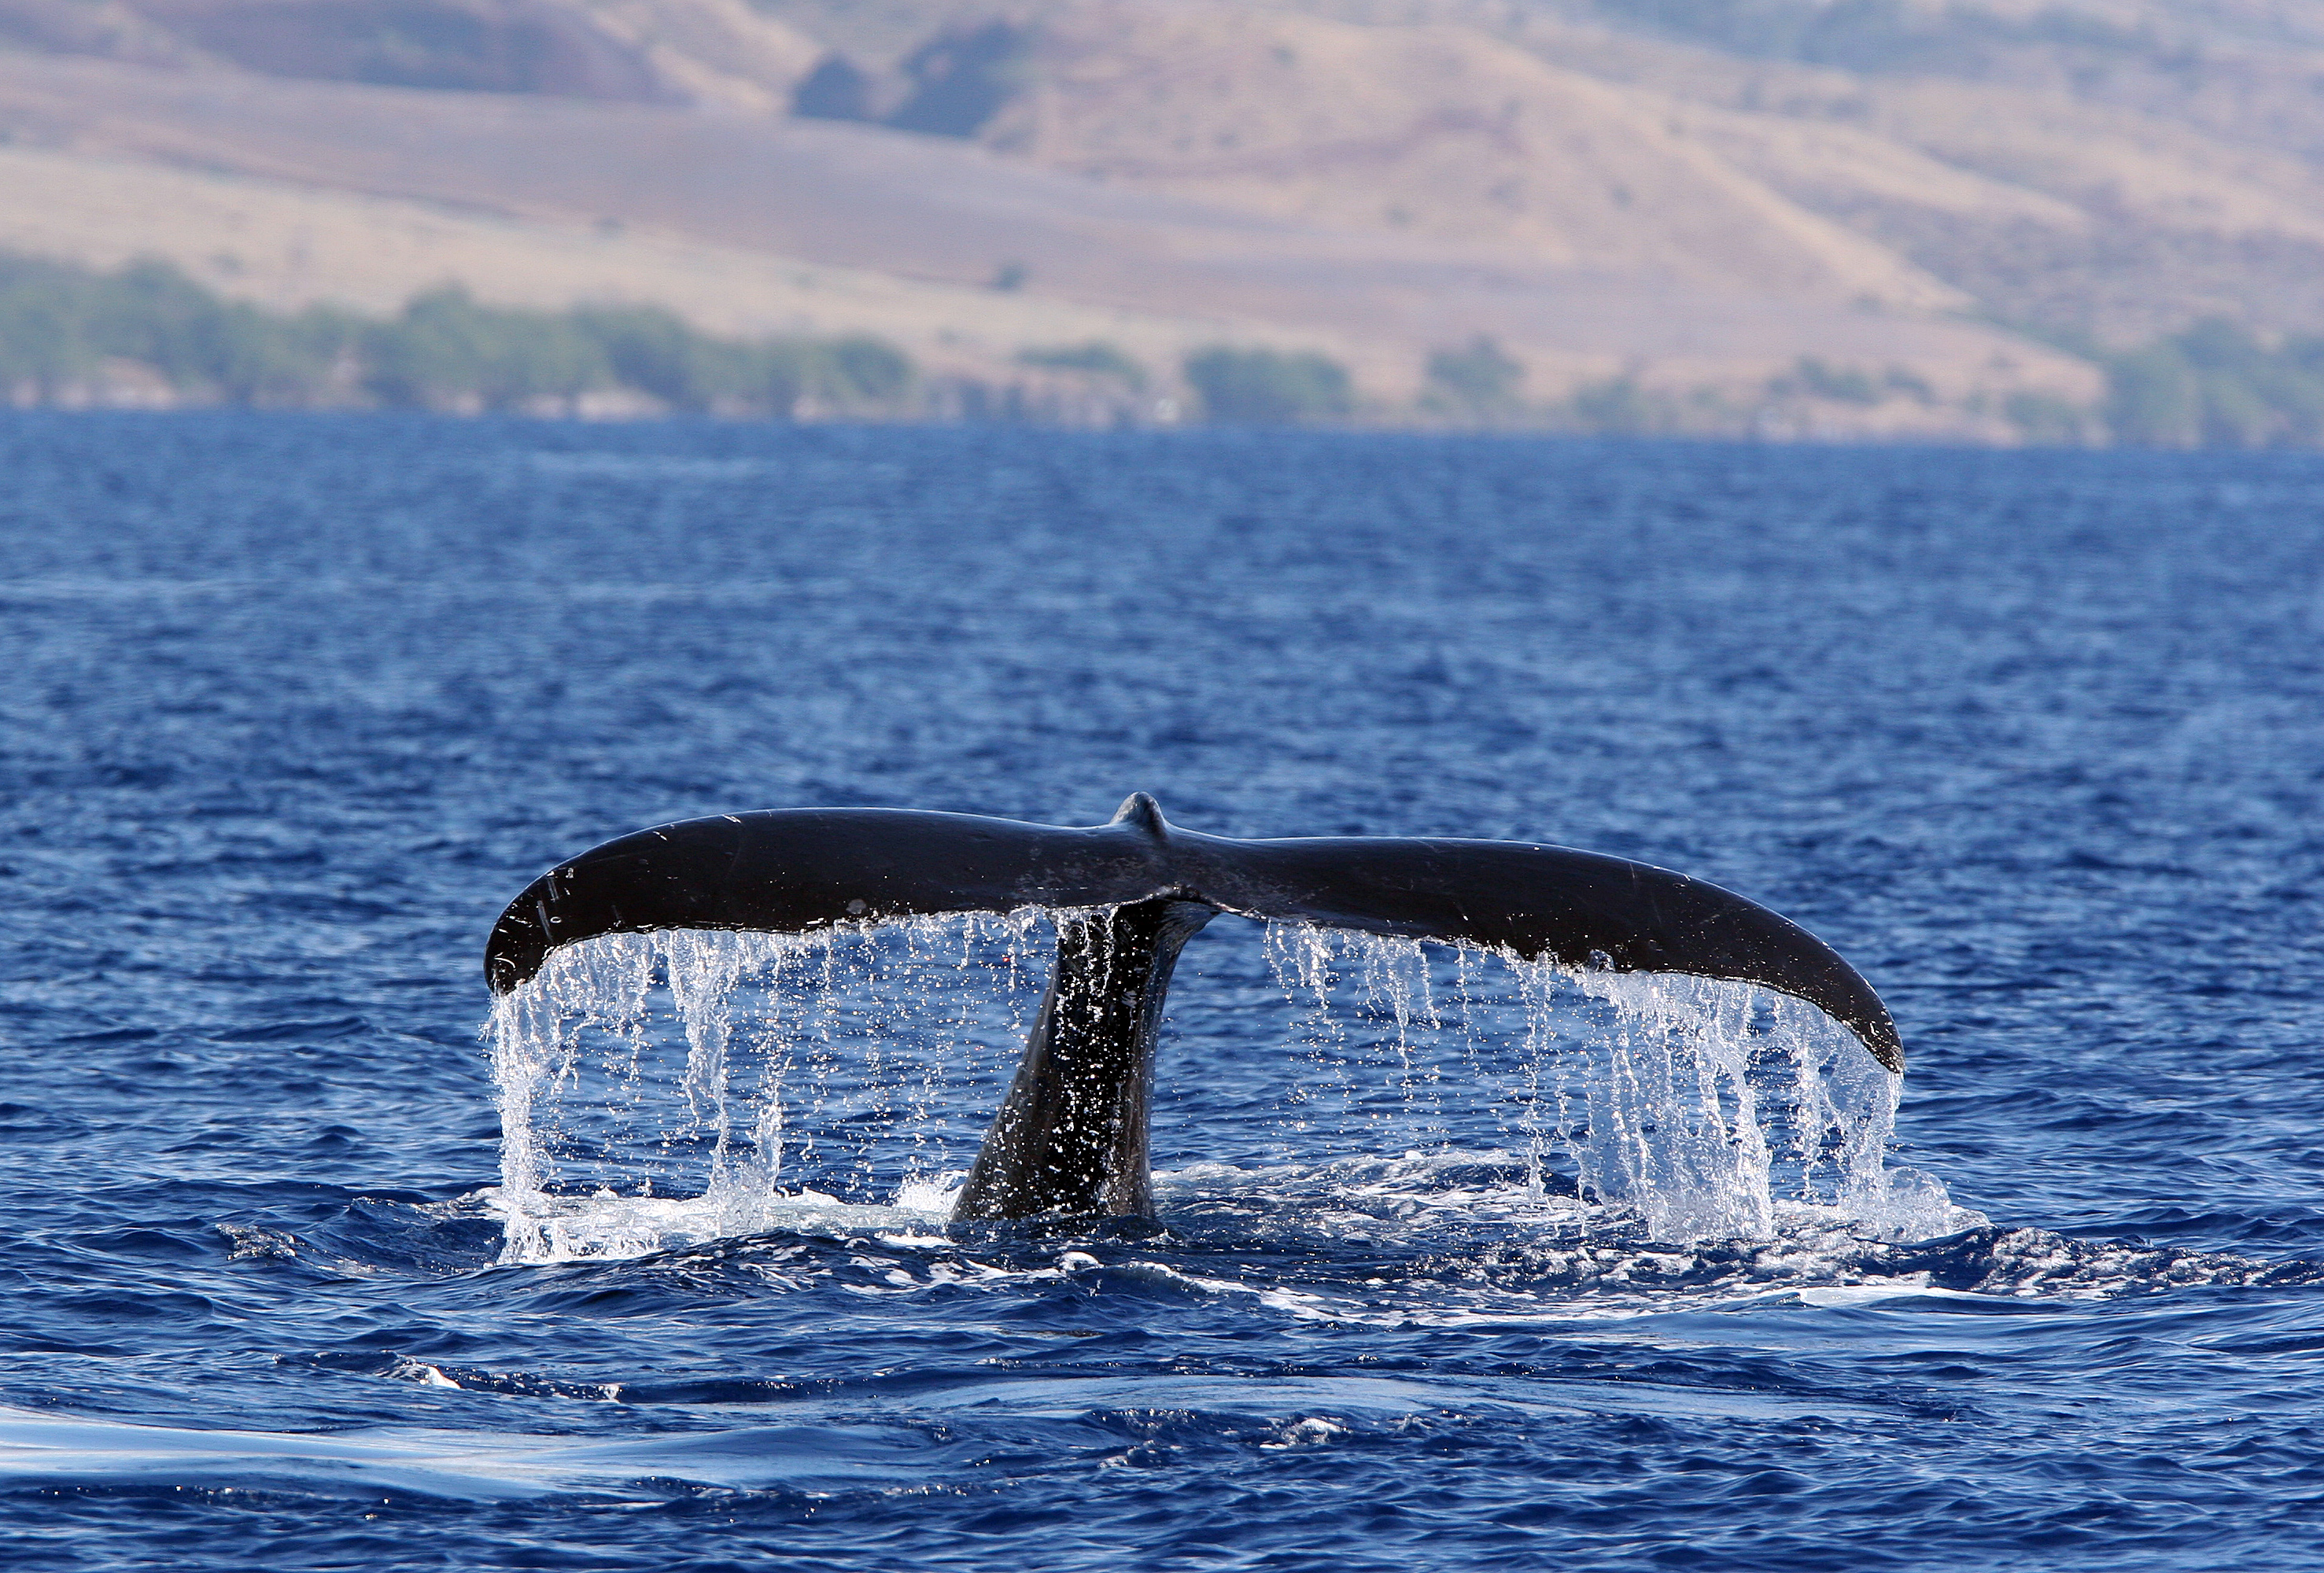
[(308, 1265)]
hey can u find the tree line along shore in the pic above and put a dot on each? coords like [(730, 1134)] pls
[(145, 334)]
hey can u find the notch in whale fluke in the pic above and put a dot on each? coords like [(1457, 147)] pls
[(1072, 1137)]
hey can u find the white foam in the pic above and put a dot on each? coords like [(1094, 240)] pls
[(548, 1228)]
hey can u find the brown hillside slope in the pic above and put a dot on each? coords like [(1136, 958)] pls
[(2116, 168), (718, 52), (944, 210), (285, 246), (1436, 132)]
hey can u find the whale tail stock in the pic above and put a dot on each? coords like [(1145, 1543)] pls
[(1070, 1138)]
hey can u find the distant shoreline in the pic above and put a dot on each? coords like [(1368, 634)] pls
[(146, 336)]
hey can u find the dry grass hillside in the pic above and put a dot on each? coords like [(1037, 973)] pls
[(2107, 168), (1681, 198), (286, 246), (2104, 167), (1431, 130)]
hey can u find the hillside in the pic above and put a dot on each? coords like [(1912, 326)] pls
[(2106, 166), (1683, 199)]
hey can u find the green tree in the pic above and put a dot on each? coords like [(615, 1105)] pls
[(1480, 377), (868, 370), (58, 322), (1268, 387), (43, 321), (2214, 384), (653, 350), (2155, 399), (445, 347)]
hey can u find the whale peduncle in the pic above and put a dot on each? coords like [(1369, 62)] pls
[(1071, 1138)]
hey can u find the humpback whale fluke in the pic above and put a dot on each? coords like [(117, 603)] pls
[(1070, 1137)]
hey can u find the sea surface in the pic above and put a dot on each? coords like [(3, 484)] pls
[(1458, 1266)]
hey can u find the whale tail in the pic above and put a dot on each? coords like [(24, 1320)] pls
[(1070, 1137)]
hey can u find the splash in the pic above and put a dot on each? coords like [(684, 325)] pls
[(859, 1050), (666, 1089), (1704, 1108)]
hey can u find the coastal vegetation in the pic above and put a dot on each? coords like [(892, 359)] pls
[(146, 334), (2217, 385), (67, 333), (1257, 387), (1478, 378), (2213, 385)]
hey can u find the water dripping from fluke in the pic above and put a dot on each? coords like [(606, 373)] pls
[(1663, 1107)]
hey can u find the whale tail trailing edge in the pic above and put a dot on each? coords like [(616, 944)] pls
[(1070, 1137)]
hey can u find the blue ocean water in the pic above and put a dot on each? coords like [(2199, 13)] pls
[(293, 705)]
